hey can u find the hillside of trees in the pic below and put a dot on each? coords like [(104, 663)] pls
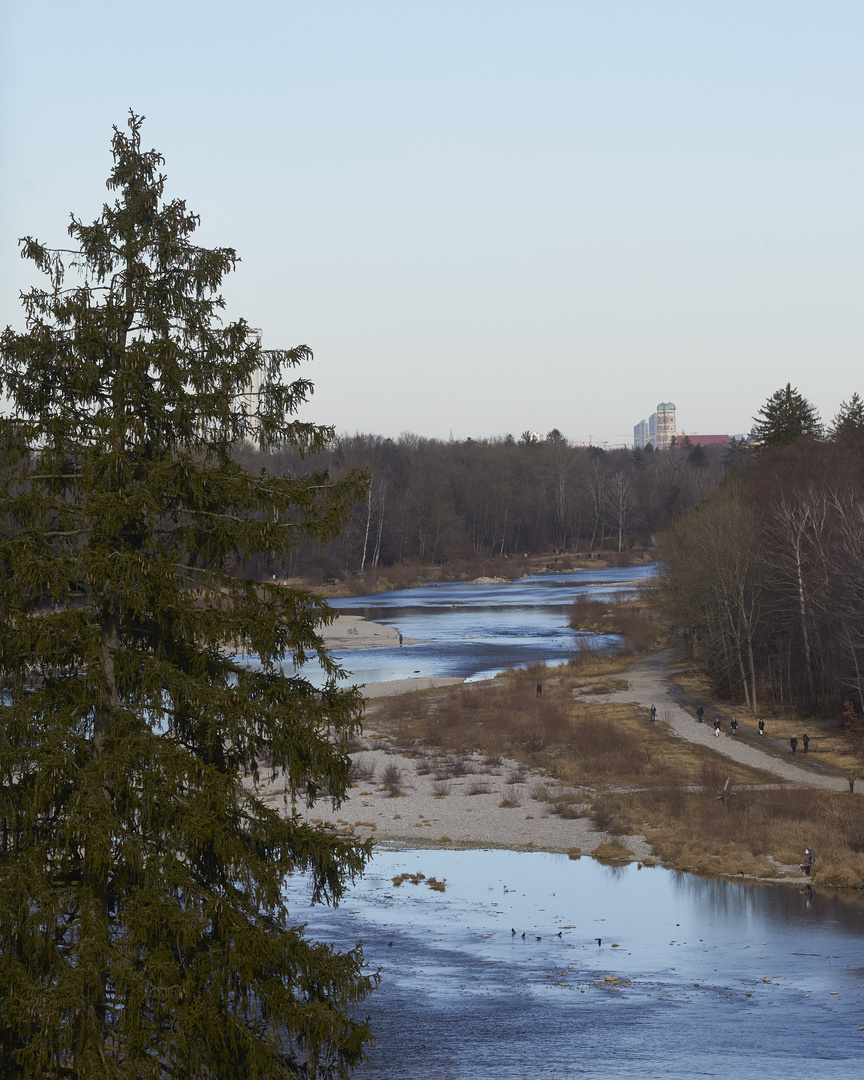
[(764, 579), (435, 503)]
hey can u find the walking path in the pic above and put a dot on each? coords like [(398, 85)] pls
[(650, 684)]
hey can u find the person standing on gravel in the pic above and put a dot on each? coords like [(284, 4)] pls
[(761, 727), (734, 726), (717, 727), (700, 712), (653, 714), (793, 742)]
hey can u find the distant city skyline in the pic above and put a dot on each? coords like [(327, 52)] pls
[(482, 216)]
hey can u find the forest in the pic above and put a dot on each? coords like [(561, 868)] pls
[(764, 580), (761, 543), (488, 501)]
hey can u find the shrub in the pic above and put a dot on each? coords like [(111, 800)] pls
[(363, 769), (588, 614), (391, 778)]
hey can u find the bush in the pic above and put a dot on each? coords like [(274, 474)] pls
[(391, 778), (588, 614)]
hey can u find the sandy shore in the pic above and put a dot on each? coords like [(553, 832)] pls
[(464, 811), (495, 803), (355, 632)]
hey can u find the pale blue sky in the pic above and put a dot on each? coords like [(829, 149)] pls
[(484, 216)]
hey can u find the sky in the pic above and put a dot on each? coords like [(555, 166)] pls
[(483, 217)]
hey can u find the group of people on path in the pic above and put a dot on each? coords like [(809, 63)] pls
[(805, 739), (733, 724)]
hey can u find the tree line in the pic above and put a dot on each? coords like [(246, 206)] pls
[(763, 580), (432, 501)]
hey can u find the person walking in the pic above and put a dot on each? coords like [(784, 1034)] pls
[(653, 714), (539, 689), (717, 728), (700, 712), (734, 726), (793, 742), (761, 727), (805, 738)]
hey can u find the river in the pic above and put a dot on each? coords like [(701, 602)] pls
[(707, 977), (475, 631)]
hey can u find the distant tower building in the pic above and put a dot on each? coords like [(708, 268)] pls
[(661, 426), (640, 435)]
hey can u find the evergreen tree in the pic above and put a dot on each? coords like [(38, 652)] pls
[(785, 417), (143, 930), (697, 458), (849, 419)]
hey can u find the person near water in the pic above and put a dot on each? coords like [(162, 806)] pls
[(793, 742), (700, 712), (807, 865), (653, 714), (805, 738), (761, 727), (734, 725)]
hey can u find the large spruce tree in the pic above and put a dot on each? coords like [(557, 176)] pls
[(849, 420), (785, 417), (143, 930)]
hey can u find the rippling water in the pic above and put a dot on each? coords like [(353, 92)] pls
[(476, 631), (716, 978)]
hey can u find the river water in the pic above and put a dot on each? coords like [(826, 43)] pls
[(715, 978), (476, 631)]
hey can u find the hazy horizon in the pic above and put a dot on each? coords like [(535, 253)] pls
[(482, 217)]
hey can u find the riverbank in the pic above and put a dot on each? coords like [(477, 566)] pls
[(410, 575), (582, 770)]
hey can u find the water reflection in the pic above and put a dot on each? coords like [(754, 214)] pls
[(478, 630), (502, 975)]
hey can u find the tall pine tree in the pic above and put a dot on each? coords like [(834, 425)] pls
[(143, 930), (849, 419), (785, 417)]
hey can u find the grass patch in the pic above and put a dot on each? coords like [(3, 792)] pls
[(613, 851), (631, 776)]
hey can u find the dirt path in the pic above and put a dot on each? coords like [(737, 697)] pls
[(650, 684)]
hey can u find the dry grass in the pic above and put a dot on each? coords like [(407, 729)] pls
[(391, 779), (834, 746), (586, 614), (631, 776), (363, 769), (613, 851), (750, 834)]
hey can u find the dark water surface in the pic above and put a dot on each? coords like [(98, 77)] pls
[(717, 978), (476, 631)]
